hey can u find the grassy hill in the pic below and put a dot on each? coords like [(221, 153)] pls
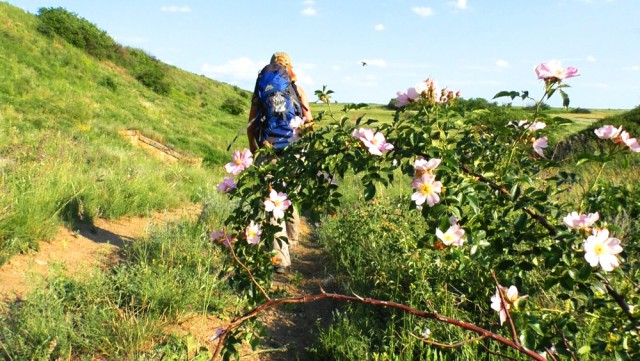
[(61, 156)]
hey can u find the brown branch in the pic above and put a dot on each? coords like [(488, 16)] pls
[(275, 302), (619, 300), (504, 304), (538, 218), (253, 280)]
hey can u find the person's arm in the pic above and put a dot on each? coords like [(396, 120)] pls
[(306, 109)]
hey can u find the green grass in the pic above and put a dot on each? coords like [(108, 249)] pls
[(61, 154)]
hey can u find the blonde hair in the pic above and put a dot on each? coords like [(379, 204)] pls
[(283, 58)]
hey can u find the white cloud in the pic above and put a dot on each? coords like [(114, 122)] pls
[(336, 68), (422, 10), (502, 63), (460, 4), (237, 69), (176, 9), (379, 27), (374, 62), (591, 59), (633, 68), (309, 8)]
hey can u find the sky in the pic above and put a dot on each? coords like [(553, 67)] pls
[(479, 47)]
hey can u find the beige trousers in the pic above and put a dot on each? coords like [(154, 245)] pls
[(291, 230)]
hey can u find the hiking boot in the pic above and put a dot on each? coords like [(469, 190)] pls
[(279, 270)]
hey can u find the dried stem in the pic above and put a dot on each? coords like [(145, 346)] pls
[(504, 304)]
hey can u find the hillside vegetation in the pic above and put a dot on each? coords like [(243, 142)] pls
[(61, 110)]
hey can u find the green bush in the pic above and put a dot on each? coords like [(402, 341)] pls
[(234, 106), (146, 69), (77, 31), (108, 83)]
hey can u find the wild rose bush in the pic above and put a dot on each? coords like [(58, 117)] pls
[(491, 199)]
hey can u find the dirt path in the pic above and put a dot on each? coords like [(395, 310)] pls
[(78, 250), (291, 329)]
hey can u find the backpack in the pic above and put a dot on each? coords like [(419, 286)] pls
[(278, 104)]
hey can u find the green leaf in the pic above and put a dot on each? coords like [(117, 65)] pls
[(584, 350), (504, 93), (521, 222), (369, 191), (536, 328)]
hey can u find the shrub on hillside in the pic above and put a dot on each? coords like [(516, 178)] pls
[(233, 106), (146, 69), (77, 31)]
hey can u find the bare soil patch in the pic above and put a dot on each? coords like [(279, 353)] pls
[(79, 250)]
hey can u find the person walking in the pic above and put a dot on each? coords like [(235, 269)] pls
[(279, 109)]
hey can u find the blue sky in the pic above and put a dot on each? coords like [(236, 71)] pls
[(479, 47)]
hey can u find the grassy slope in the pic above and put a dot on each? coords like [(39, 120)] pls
[(61, 157)]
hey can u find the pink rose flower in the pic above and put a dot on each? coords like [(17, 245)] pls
[(402, 99), (277, 203), (632, 143), (377, 144), (540, 144), (427, 189), (253, 232), (510, 297), (227, 185), (553, 70), (240, 162), (422, 165), (221, 237), (453, 236), (575, 220), (601, 249), (607, 132)]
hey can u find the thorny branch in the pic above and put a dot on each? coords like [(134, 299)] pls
[(275, 302)]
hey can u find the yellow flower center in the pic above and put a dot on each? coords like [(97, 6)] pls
[(598, 250), (426, 188), (238, 161)]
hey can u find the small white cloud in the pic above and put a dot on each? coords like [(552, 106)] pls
[(310, 11), (309, 8), (502, 63), (422, 11), (374, 62), (176, 9), (242, 68), (460, 4), (379, 27), (336, 68), (591, 59), (633, 68)]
